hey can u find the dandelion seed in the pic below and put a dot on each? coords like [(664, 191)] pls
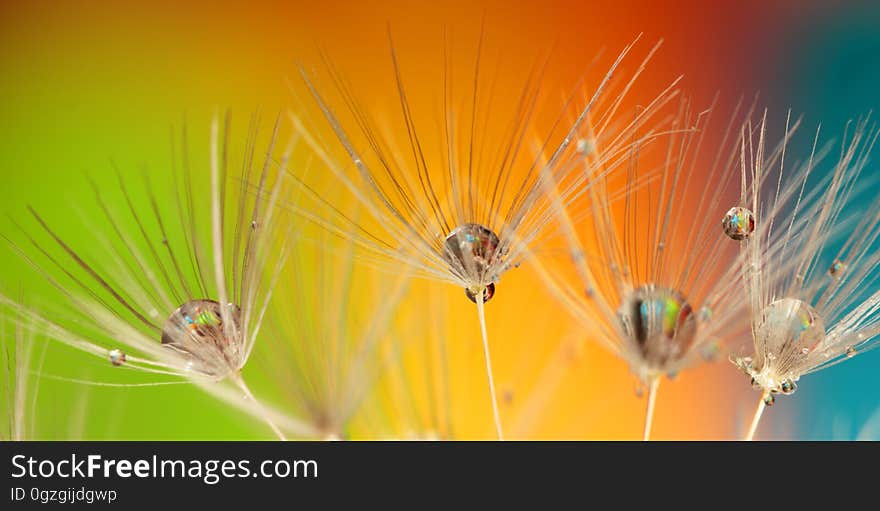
[(463, 211), (325, 363), (153, 283), (802, 321), (658, 257)]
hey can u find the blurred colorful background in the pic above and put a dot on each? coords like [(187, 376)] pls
[(84, 84)]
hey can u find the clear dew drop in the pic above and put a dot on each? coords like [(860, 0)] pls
[(769, 400), (787, 387), (850, 351), (585, 146), (116, 356), (738, 223), (660, 322), (471, 251), (790, 326)]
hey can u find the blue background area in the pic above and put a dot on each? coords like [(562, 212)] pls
[(828, 68)]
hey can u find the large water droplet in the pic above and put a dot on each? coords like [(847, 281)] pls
[(660, 322), (789, 327), (471, 250), (196, 328)]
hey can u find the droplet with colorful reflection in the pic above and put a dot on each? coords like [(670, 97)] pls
[(836, 268), (471, 250), (738, 223), (660, 322), (196, 328), (790, 326), (488, 292)]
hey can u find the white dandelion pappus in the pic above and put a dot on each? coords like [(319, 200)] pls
[(186, 292), (446, 206), (655, 281), (22, 356), (325, 360), (810, 271), (16, 356)]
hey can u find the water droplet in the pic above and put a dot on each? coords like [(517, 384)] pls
[(787, 387), (471, 250), (850, 351), (117, 357), (769, 399), (584, 146), (738, 223), (254, 225), (488, 293), (836, 268), (789, 326), (196, 328), (640, 388), (660, 322)]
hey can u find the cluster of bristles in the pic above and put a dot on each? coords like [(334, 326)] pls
[(657, 314)]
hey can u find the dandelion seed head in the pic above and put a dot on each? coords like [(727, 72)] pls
[(738, 223), (660, 323)]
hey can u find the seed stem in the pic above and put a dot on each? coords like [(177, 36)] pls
[(649, 413), (239, 381), (757, 418), (482, 315)]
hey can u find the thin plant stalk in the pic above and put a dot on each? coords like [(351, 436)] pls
[(239, 381), (482, 315), (649, 413), (757, 418)]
